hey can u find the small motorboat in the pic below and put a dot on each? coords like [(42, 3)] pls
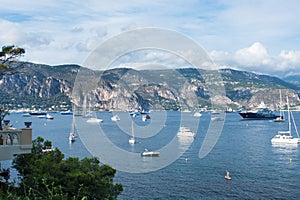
[(147, 153), (185, 132), (94, 120), (115, 118), (145, 117), (131, 140), (26, 115), (48, 116), (197, 114), (72, 137)]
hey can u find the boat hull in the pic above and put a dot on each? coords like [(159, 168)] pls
[(282, 141), (150, 154), (250, 115), (37, 113)]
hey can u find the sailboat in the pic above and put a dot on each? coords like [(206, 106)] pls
[(72, 136), (285, 137), (280, 118), (132, 140)]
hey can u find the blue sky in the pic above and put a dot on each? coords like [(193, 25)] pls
[(260, 36)]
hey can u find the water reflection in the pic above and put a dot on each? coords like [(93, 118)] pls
[(284, 148)]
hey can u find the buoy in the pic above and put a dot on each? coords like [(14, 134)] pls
[(227, 175), (291, 159)]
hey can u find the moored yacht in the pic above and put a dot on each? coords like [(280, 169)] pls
[(285, 137), (262, 112)]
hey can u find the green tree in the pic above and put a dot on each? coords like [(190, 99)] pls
[(9, 66), (47, 175), (8, 59), (3, 112)]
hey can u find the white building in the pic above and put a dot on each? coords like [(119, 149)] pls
[(15, 141)]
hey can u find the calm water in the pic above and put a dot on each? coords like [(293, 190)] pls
[(258, 169)]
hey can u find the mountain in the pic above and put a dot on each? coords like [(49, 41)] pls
[(295, 79), (42, 86)]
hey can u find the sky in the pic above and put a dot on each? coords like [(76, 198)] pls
[(262, 36)]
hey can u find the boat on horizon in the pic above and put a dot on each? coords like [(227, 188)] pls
[(37, 113), (67, 112), (197, 114), (26, 115), (262, 112)]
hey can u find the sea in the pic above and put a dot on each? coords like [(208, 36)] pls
[(258, 169)]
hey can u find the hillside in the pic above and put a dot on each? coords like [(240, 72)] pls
[(42, 86), (295, 79)]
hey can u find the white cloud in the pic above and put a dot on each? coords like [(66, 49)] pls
[(255, 55), (257, 58), (9, 32)]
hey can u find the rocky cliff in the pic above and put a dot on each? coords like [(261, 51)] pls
[(43, 86)]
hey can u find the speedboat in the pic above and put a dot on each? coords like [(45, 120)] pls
[(279, 119), (145, 117), (150, 153), (131, 141), (26, 115), (67, 112), (197, 114), (72, 137), (48, 116), (115, 118), (94, 120), (185, 132)]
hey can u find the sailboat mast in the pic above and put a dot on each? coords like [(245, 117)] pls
[(281, 113), (289, 115), (132, 128)]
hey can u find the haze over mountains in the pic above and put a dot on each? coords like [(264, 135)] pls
[(43, 86)]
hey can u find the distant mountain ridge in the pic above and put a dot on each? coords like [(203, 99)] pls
[(294, 79), (43, 86)]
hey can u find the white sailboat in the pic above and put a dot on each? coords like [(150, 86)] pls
[(132, 140), (285, 137), (72, 135), (280, 118)]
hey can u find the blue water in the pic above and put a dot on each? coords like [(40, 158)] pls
[(258, 169)]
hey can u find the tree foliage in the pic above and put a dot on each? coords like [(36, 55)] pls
[(8, 58), (47, 175), (3, 112), (8, 66)]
